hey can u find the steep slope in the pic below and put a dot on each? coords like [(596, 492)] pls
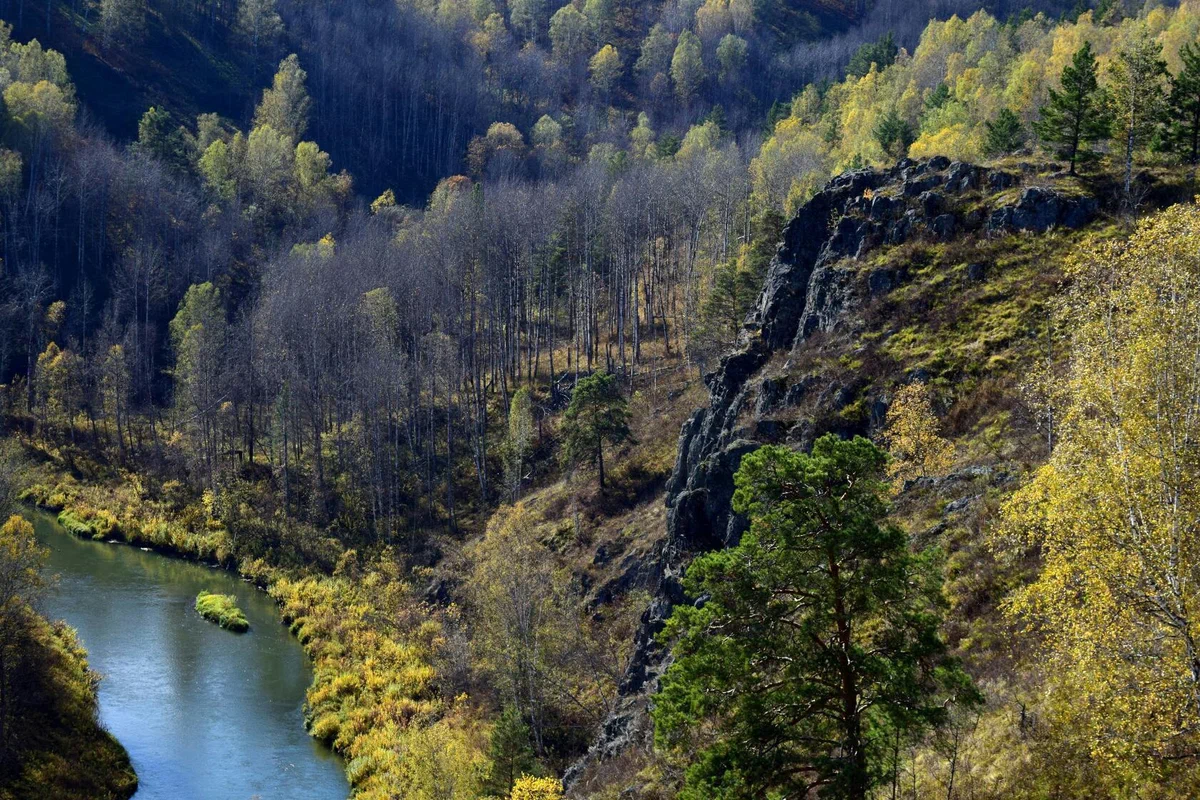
[(933, 271)]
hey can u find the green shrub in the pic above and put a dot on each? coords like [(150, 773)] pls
[(74, 524), (222, 609)]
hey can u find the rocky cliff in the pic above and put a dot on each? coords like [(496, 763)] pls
[(841, 256)]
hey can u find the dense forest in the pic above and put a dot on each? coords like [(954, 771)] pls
[(397, 309)]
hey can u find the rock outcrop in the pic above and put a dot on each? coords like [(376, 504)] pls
[(814, 284)]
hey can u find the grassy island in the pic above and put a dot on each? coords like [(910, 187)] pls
[(222, 609)]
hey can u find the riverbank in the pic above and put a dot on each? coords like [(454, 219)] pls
[(372, 641), (63, 752)]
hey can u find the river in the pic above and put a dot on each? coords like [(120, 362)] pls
[(204, 713)]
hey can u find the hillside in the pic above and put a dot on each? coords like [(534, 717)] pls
[(556, 454)]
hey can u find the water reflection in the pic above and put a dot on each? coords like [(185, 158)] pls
[(204, 713)]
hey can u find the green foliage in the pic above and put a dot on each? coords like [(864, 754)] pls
[(1005, 134), (1137, 96), (605, 68), (894, 134), (938, 97), (655, 55), (882, 53), (598, 414), (259, 22), (687, 66), (73, 524), (122, 21), (1076, 116), (159, 137), (520, 440), (223, 610), (569, 34), (511, 754), (817, 641), (1183, 106), (731, 55)]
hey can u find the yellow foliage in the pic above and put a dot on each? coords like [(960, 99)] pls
[(528, 787), (1116, 510), (986, 66), (912, 436)]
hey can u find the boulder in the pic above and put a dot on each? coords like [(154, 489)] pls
[(944, 226), (1040, 209)]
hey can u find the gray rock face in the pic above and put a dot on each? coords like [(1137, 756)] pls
[(1040, 209)]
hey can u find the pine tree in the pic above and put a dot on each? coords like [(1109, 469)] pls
[(1078, 115), (894, 134), (1005, 134), (511, 753), (1183, 108), (882, 53), (598, 414), (818, 642)]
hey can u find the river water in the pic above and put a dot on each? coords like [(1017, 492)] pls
[(204, 713)]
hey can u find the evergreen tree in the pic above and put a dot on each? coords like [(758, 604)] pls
[(1137, 95), (1183, 108), (1076, 116), (159, 137), (882, 53), (818, 640), (894, 134), (1004, 135), (598, 414), (687, 66), (937, 98), (511, 753)]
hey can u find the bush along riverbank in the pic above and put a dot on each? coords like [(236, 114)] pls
[(372, 639), (222, 609)]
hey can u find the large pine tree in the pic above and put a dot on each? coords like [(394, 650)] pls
[(1077, 116), (817, 643)]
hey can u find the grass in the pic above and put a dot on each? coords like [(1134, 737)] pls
[(79, 527), (61, 749), (222, 609)]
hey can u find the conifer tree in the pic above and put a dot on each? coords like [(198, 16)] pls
[(894, 134), (1005, 134), (818, 641), (597, 415), (1183, 108), (511, 753), (1077, 116)]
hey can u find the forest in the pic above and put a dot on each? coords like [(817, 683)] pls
[(397, 309)]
